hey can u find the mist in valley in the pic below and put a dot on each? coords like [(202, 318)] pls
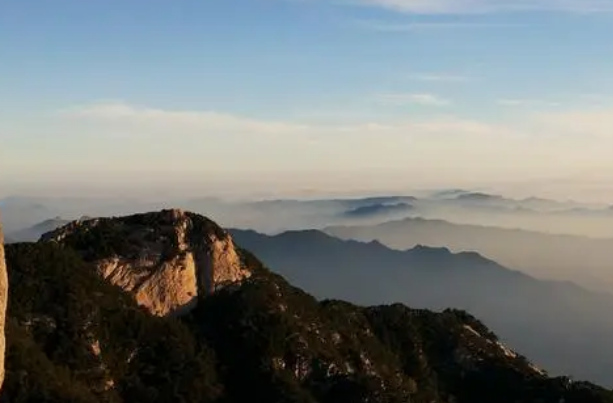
[(545, 289), (517, 233)]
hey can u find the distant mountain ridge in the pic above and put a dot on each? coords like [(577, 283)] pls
[(374, 210), (478, 196), (277, 215), (35, 232), (540, 254)]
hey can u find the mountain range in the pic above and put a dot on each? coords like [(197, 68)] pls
[(34, 232), (563, 327), (543, 255), (93, 318), (278, 215), (585, 261)]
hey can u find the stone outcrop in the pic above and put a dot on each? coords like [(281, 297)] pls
[(3, 302), (168, 260)]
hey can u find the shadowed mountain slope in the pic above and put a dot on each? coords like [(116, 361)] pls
[(539, 318)]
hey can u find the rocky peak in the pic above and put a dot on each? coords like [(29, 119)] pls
[(3, 302), (168, 260)]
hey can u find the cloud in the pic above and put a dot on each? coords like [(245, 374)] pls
[(139, 119), (491, 6), (108, 116), (211, 144), (589, 125), (443, 78), (593, 98), (121, 144), (119, 112), (394, 27), (526, 102), (417, 99)]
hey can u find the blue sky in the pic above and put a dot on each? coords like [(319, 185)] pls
[(304, 93)]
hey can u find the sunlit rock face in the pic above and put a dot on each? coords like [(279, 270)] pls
[(168, 260), (3, 300)]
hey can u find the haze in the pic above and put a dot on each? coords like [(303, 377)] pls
[(290, 98)]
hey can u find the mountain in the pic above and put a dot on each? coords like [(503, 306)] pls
[(19, 213), (605, 212), (539, 318), (374, 200), (75, 337), (529, 203), (270, 215), (32, 234), (479, 197), (465, 207), (274, 216), (280, 215), (448, 193), (377, 210), (583, 260), (172, 259)]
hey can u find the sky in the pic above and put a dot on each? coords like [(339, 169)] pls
[(290, 96)]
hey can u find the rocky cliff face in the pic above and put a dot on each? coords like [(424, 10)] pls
[(3, 301), (167, 260)]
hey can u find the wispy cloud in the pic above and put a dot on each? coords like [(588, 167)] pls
[(593, 98), (441, 78), (491, 6), (156, 120), (526, 102), (227, 145), (121, 112), (395, 27), (594, 122), (416, 99)]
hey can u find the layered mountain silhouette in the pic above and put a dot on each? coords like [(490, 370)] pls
[(36, 231), (585, 261), (377, 210), (479, 197), (76, 335), (273, 216), (563, 327), (19, 213)]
